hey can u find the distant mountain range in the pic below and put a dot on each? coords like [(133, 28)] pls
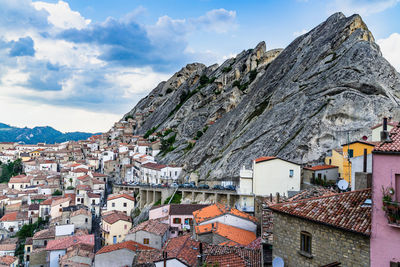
[(36, 135)]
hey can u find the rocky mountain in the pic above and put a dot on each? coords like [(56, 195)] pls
[(36, 135), (328, 86)]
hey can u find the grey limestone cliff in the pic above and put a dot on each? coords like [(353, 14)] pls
[(296, 103)]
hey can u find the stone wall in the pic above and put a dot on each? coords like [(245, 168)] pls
[(328, 244)]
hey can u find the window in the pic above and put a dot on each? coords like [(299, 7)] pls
[(86, 220), (28, 249), (305, 243), (125, 204), (113, 205), (45, 242), (176, 220), (351, 153), (146, 241), (291, 173), (125, 226), (394, 264)]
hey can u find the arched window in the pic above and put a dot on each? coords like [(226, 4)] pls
[(305, 242)]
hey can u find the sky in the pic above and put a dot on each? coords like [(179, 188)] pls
[(79, 65)]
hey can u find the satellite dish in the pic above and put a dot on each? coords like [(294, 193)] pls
[(278, 262), (365, 138), (343, 185)]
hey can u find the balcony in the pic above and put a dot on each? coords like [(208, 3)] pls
[(392, 211)]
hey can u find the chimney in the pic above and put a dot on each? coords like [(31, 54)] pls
[(385, 134)]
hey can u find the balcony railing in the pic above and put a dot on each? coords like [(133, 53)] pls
[(392, 211)]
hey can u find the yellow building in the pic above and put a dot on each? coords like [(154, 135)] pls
[(336, 159), (115, 225), (351, 150)]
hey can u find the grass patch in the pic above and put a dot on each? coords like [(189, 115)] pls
[(259, 109), (175, 200)]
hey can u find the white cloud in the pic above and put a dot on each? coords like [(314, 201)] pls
[(62, 16), (390, 49), (61, 118), (361, 7), (217, 20)]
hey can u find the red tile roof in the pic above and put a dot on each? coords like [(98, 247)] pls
[(240, 236), (393, 146), (261, 159), (217, 210), (114, 216), (320, 167), (225, 260), (153, 166), (7, 260), (121, 196), (151, 226), (131, 245), (9, 217), (69, 241), (344, 210)]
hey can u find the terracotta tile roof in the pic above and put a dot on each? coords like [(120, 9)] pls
[(388, 147), (8, 247), (45, 234), (217, 210), (256, 244), (225, 260), (96, 174), (114, 216), (311, 192), (251, 257), (9, 217), (93, 195), (151, 226), (81, 211), (344, 210), (60, 201), (131, 245), (20, 179), (121, 196), (240, 236), (69, 241), (153, 166), (84, 187), (7, 260), (229, 243), (147, 257), (321, 167), (183, 248), (261, 159)]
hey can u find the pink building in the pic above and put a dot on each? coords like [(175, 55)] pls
[(385, 229), (177, 216)]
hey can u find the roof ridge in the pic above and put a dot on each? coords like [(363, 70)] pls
[(320, 197)]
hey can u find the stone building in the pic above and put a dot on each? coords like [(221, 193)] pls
[(324, 230)]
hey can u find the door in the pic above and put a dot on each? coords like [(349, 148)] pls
[(114, 239)]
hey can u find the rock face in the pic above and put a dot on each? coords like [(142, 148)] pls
[(328, 85)]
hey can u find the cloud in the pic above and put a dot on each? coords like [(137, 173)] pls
[(56, 60), (22, 47), (362, 7), (61, 15), (390, 49), (217, 20)]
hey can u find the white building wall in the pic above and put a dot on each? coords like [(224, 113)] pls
[(235, 221), (273, 176)]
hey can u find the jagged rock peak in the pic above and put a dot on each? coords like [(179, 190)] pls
[(297, 103)]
